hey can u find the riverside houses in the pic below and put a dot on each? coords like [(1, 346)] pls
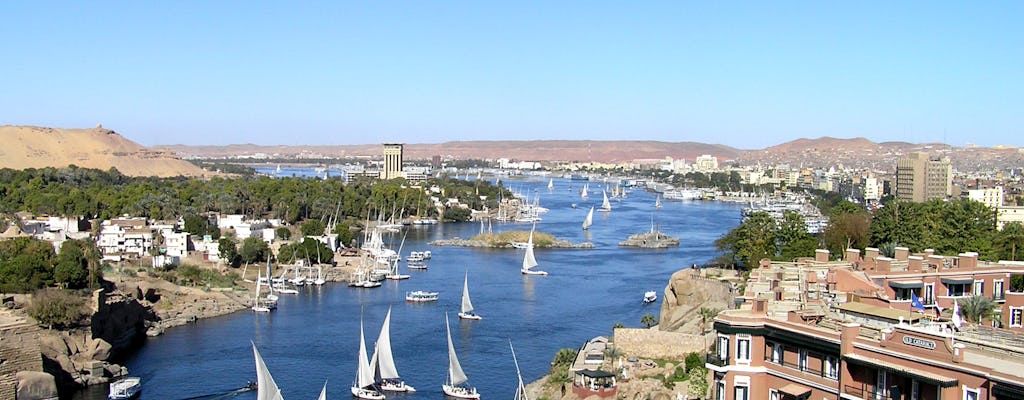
[(820, 329)]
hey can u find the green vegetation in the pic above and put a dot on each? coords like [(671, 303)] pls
[(311, 250), (559, 372), (759, 236), (191, 275), (649, 320), (27, 264), (283, 233), (948, 227), (977, 309), (505, 239), (56, 308), (698, 378)]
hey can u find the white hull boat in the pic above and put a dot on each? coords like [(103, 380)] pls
[(363, 387), (124, 389), (466, 311), (456, 376), (529, 261)]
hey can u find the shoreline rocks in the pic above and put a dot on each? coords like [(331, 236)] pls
[(557, 244), (650, 240)]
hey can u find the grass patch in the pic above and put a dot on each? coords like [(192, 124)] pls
[(505, 239)]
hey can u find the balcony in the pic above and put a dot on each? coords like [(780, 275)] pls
[(715, 360), (999, 297), (867, 391), (807, 369)]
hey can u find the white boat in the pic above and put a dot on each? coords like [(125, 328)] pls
[(456, 377), (259, 305), (650, 296), (551, 184), (417, 265), (420, 296), (319, 276), (385, 372), (521, 389), (657, 202), (605, 205), (587, 222), (529, 261), (266, 388), (127, 388), (363, 386), (467, 305), (323, 393), (583, 193)]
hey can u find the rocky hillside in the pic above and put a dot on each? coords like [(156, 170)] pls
[(36, 147)]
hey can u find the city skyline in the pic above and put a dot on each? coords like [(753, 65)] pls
[(746, 75)]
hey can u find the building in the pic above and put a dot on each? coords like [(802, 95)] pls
[(392, 161), (920, 178), (706, 163), (991, 197), (1008, 214), (819, 329)]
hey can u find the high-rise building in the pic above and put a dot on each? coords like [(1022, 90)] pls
[(920, 178), (392, 161), (991, 197)]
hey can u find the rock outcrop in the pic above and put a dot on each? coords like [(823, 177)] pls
[(687, 292), (651, 240)]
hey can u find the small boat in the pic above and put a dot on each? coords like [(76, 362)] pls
[(650, 296), (420, 296), (260, 305), (657, 202), (456, 376), (417, 265), (467, 305), (127, 388), (384, 362), (415, 257), (529, 261), (605, 205), (363, 387), (266, 388), (521, 389), (551, 184), (589, 220)]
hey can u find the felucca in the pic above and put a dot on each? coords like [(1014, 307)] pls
[(384, 361), (467, 305), (529, 261), (456, 377), (363, 387)]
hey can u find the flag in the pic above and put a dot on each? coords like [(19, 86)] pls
[(915, 302), (957, 321)]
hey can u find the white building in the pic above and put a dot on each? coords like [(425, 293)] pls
[(1005, 215), (705, 163), (871, 189), (992, 197)]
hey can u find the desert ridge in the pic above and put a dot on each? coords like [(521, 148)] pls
[(37, 147)]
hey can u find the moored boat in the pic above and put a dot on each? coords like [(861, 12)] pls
[(420, 296), (127, 388)]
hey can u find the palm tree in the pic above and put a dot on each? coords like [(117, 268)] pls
[(977, 308), (648, 320)]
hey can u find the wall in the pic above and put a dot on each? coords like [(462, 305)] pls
[(652, 343)]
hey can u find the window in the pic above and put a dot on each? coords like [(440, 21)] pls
[(1016, 316), (915, 390), (773, 394), (803, 359), (958, 289), (743, 393), (723, 348), (743, 350), (720, 391), (902, 294), (929, 294), (979, 288), (880, 392), (997, 290), (970, 394), (831, 369), (777, 351)]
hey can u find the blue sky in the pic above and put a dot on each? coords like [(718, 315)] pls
[(744, 74)]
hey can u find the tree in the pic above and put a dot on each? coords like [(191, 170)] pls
[(72, 269), (56, 308), (312, 227), (792, 237), (26, 264), (457, 214), (1010, 241), (254, 250), (283, 233), (751, 241), (649, 320), (977, 308), (847, 230), (344, 232), (228, 248), (698, 378)]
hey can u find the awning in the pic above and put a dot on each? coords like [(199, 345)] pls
[(923, 375), (958, 280), (595, 373), (795, 390), (906, 284)]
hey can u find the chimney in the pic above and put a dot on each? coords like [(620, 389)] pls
[(929, 252), (915, 263), (852, 255), (967, 260), (958, 352), (760, 307), (870, 253), (883, 264), (847, 336), (935, 262), (902, 253), (821, 255), (765, 263)]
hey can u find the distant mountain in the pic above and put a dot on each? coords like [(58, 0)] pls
[(534, 150), (823, 143), (36, 147)]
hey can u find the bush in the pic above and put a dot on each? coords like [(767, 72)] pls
[(283, 233), (57, 308), (693, 360)]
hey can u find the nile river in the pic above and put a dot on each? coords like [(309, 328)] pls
[(313, 337)]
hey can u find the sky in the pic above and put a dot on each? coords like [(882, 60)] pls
[(747, 74)]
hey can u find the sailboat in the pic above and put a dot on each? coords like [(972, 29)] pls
[(587, 222), (266, 388), (529, 261), (521, 389), (605, 205), (257, 305), (467, 306), (323, 392), (363, 385), (583, 193), (384, 362), (657, 202), (551, 184), (456, 376)]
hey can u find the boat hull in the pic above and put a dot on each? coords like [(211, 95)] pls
[(127, 388), (532, 272), (368, 394), (469, 316), (396, 387), (460, 392)]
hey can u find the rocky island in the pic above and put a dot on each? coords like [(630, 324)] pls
[(653, 239), (512, 239)]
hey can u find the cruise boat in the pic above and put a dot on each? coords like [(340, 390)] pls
[(127, 388), (650, 296), (420, 296)]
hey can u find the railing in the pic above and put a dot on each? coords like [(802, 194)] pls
[(805, 369), (715, 360), (999, 297), (867, 391)]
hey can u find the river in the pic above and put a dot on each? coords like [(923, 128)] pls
[(313, 337)]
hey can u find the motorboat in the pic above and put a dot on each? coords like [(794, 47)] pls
[(127, 388), (650, 296), (421, 296)]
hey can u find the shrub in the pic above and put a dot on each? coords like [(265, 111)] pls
[(57, 308), (693, 360)]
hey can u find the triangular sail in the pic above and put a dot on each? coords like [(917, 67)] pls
[(589, 220), (605, 205), (521, 389), (551, 184), (385, 360), (529, 261), (455, 373), (467, 306), (364, 376), (266, 388), (323, 392)]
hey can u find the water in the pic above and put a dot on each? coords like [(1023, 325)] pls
[(314, 337)]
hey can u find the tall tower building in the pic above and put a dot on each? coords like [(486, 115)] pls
[(392, 161), (920, 178)]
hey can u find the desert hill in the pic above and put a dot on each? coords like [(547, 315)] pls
[(36, 147)]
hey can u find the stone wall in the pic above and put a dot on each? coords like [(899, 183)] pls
[(19, 351), (653, 343)]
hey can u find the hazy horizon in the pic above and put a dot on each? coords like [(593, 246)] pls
[(745, 75)]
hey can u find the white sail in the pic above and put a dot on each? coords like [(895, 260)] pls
[(529, 261), (589, 220), (657, 202), (467, 306), (583, 194), (521, 389), (551, 184), (385, 360), (323, 392), (364, 376), (455, 373), (606, 205), (266, 388)]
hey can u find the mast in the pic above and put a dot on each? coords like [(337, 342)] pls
[(455, 373)]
